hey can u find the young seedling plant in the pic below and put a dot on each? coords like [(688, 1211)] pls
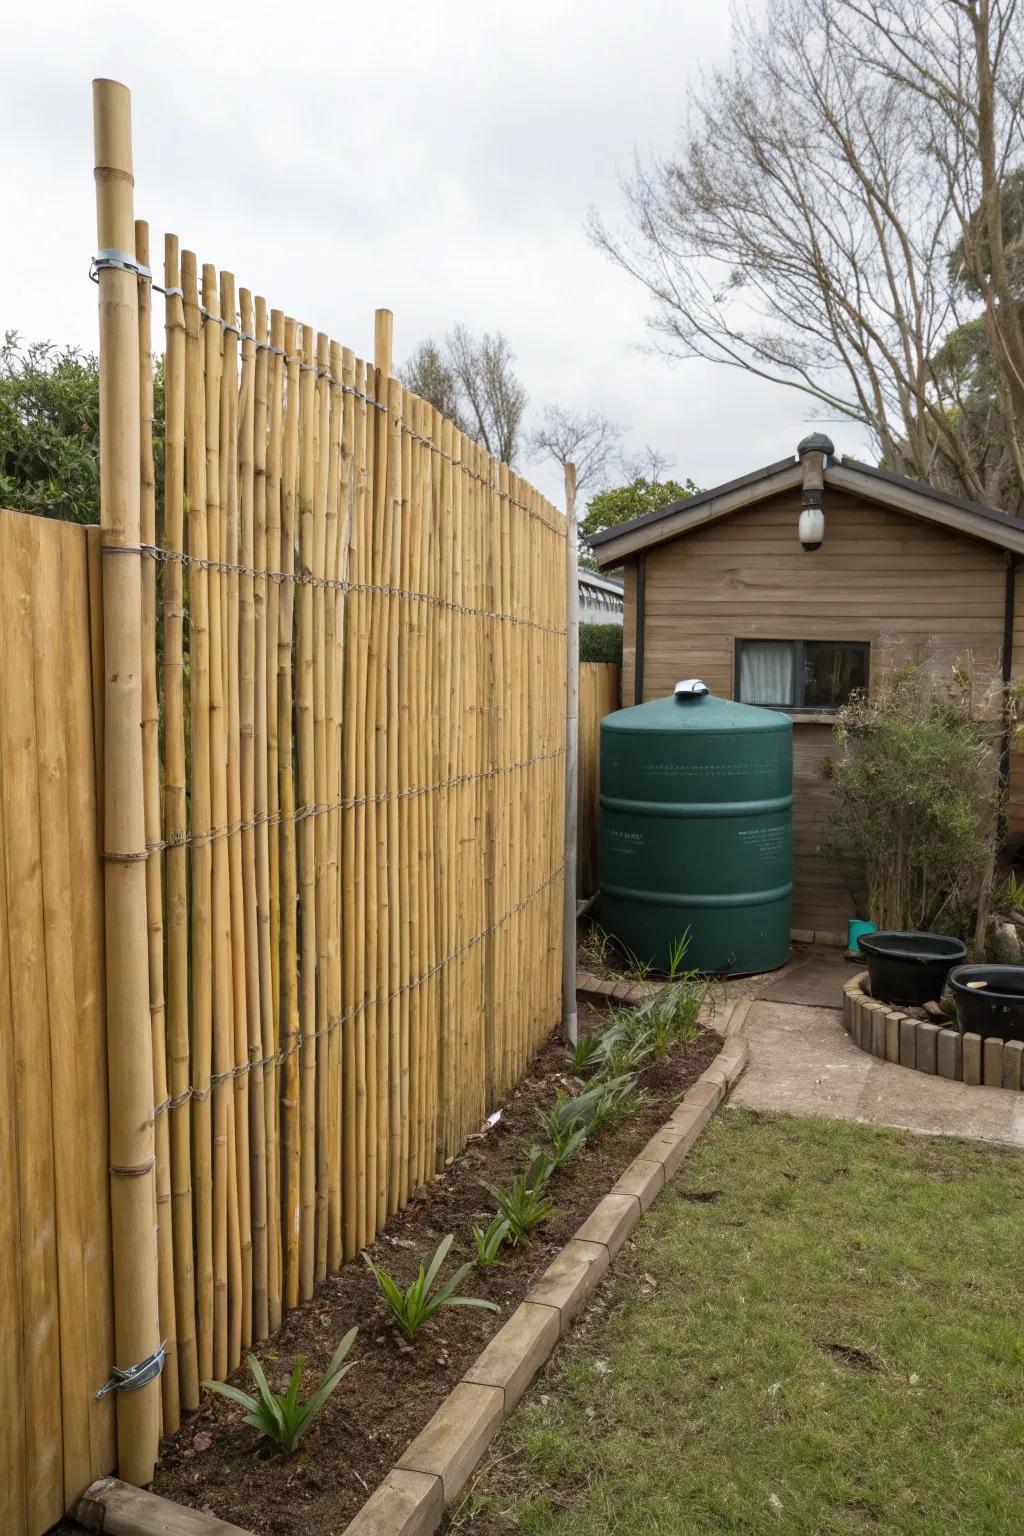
[(282, 1418), (524, 1204), (419, 1302), (489, 1241)]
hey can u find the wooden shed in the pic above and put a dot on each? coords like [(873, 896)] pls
[(890, 572)]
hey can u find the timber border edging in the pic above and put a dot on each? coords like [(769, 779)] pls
[(893, 1036)]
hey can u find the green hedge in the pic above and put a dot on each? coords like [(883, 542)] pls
[(601, 642)]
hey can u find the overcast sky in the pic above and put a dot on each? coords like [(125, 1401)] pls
[(437, 159)]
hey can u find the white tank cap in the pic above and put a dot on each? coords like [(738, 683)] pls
[(691, 688)]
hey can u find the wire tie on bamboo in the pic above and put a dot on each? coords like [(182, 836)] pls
[(135, 1376), (302, 812), (297, 1040)]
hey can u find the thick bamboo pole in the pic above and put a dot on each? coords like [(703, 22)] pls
[(572, 709), (175, 830), (154, 883), (129, 1040), (200, 883)]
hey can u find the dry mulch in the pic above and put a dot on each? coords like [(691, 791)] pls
[(216, 1463)]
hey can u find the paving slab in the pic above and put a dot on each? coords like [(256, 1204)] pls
[(815, 982), (803, 1062)]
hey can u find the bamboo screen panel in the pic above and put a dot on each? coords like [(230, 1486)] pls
[(353, 739), (56, 1320)]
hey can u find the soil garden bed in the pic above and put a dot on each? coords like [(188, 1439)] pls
[(218, 1464)]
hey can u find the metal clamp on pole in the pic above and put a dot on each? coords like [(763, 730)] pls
[(135, 1376), (121, 261)]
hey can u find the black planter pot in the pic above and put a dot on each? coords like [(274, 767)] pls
[(910, 968), (996, 1009)]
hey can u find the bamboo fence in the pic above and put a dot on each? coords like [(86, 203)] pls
[(333, 687)]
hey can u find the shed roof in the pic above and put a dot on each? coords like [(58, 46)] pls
[(901, 494)]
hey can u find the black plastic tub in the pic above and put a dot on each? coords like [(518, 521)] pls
[(910, 967), (995, 1009)]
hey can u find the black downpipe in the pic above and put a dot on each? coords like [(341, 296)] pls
[(638, 665), (1009, 599)]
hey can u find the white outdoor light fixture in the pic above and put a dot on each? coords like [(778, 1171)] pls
[(811, 527), (814, 453)]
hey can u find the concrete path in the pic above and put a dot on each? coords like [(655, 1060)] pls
[(803, 1062)]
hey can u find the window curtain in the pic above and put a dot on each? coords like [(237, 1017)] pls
[(766, 672)]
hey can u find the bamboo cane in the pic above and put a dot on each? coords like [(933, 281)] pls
[(154, 884), (289, 888), (408, 999), (398, 1103), (223, 1171), (200, 882), (129, 1041), (386, 1037), (354, 661), (306, 791), (264, 1181), (255, 1209), (338, 535), (175, 829), (321, 861), (281, 1018), (239, 1204)]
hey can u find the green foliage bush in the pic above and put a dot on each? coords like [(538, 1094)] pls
[(917, 800), (50, 429), (601, 642)]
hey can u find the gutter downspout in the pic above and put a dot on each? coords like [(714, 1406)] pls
[(572, 697), (641, 620)]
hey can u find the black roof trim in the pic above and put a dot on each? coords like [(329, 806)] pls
[(687, 503), (994, 514)]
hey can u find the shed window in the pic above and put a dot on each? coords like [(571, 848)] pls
[(800, 674)]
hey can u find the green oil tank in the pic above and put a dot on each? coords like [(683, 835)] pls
[(696, 831)]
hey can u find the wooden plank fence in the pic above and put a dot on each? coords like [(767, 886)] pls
[(599, 696), (56, 1338), (317, 667)]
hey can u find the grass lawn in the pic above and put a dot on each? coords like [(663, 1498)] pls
[(818, 1329)]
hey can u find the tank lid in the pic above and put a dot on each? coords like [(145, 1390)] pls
[(703, 713), (689, 688)]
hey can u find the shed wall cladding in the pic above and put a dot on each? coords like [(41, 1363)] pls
[(916, 593)]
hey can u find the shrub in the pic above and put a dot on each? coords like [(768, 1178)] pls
[(414, 1306), (283, 1418), (601, 642), (917, 800), (49, 429)]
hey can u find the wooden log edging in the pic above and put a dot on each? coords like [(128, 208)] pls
[(435, 1468), (926, 1047), (601, 989)]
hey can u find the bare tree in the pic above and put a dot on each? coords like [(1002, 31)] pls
[(584, 438), (471, 381), (493, 399), (429, 374), (804, 227), (651, 465)]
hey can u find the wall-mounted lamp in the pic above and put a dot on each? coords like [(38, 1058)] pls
[(813, 454)]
